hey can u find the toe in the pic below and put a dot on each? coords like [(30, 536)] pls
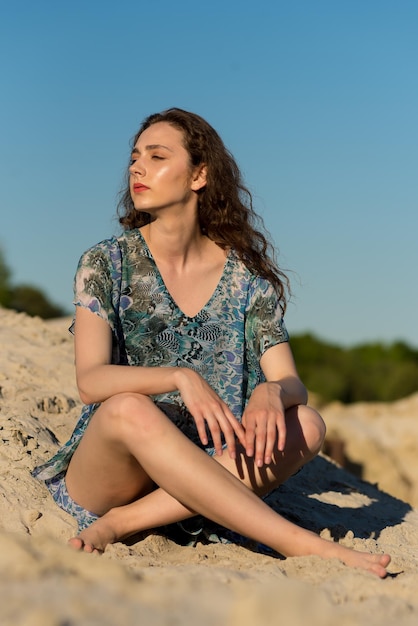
[(76, 543)]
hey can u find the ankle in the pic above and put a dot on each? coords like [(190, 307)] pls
[(119, 521)]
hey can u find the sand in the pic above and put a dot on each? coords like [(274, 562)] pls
[(157, 582)]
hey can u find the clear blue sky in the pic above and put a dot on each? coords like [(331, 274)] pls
[(317, 99)]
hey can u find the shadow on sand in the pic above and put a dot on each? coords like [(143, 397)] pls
[(303, 500)]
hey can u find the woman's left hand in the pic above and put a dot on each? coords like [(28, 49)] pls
[(264, 423)]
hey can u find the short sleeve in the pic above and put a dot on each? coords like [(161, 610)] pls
[(94, 282), (264, 326)]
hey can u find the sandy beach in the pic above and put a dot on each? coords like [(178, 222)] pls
[(155, 581)]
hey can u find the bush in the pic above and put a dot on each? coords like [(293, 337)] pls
[(32, 301), (366, 373), (24, 298), (5, 274)]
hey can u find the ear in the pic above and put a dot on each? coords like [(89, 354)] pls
[(199, 177)]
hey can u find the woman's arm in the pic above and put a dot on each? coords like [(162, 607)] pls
[(279, 366), (264, 417), (98, 380)]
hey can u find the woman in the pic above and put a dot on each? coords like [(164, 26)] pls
[(193, 402)]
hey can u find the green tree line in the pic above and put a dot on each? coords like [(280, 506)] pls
[(365, 373), (25, 298)]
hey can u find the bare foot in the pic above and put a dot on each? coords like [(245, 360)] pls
[(374, 563), (95, 538)]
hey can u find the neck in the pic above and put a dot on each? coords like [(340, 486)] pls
[(175, 243)]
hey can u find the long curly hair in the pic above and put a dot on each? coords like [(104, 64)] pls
[(225, 205)]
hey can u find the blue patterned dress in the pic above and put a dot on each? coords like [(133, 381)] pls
[(119, 281)]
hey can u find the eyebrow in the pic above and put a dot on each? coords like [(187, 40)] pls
[(152, 146)]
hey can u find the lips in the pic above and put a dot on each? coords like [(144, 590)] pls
[(138, 187)]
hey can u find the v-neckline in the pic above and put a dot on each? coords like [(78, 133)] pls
[(162, 282)]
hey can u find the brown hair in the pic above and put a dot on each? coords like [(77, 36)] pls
[(226, 211)]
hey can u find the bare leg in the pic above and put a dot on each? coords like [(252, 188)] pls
[(129, 428), (156, 508)]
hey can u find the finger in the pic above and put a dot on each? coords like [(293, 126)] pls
[(271, 437), (230, 442), (228, 432), (249, 437), (260, 444), (215, 432), (201, 429), (282, 432), (237, 427), (231, 429)]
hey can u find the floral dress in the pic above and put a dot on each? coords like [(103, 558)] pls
[(119, 281)]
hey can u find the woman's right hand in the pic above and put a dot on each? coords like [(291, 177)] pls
[(207, 408)]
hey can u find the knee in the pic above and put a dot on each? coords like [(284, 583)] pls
[(313, 428), (127, 412)]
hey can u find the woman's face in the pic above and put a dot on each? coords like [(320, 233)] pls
[(160, 174)]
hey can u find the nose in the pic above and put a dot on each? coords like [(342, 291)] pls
[(137, 166)]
